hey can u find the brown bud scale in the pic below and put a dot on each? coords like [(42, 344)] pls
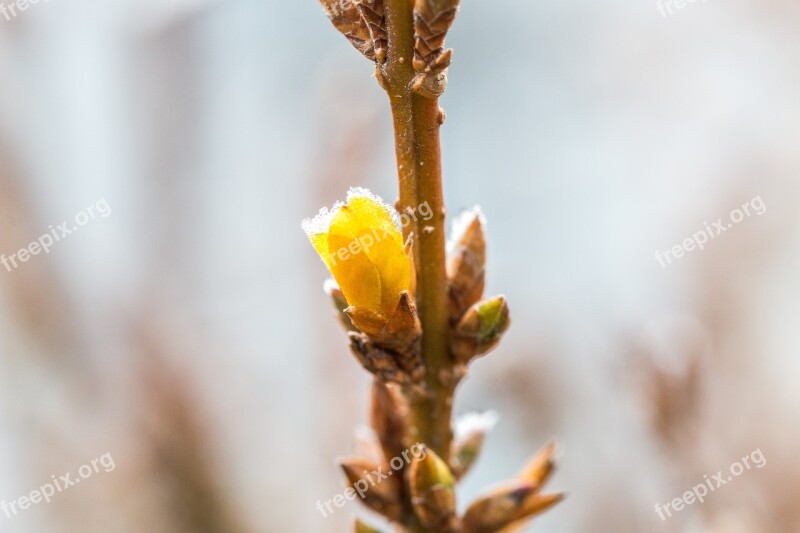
[(363, 23)]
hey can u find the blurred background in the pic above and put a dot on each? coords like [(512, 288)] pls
[(186, 333)]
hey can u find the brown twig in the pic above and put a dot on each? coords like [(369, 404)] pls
[(417, 119)]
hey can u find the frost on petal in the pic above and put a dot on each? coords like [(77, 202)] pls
[(317, 231), (361, 192)]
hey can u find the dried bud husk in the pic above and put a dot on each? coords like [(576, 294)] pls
[(481, 329), (496, 509), (365, 443), (362, 22), (506, 505), (367, 322), (388, 416), (346, 17), (372, 12), (432, 83), (339, 301), (379, 362), (540, 467), (471, 431), (535, 505), (377, 491), (433, 493), (398, 333), (390, 350), (466, 263), (361, 527), (432, 21), (404, 328), (512, 505)]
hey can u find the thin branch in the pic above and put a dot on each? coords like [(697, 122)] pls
[(417, 119)]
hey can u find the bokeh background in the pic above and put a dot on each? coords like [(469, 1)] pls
[(187, 334)]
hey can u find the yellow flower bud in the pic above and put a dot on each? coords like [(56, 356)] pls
[(361, 244)]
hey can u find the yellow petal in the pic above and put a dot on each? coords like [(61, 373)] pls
[(320, 243), (356, 274)]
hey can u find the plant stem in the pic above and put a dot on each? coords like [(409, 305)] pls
[(432, 281), (416, 125), (398, 73)]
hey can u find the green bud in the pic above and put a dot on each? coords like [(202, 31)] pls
[(433, 492), (481, 328)]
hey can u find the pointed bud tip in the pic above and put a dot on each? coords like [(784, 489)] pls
[(541, 466), (361, 527), (494, 317), (430, 470), (467, 230)]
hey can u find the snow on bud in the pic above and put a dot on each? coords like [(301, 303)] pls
[(470, 433), (466, 262)]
